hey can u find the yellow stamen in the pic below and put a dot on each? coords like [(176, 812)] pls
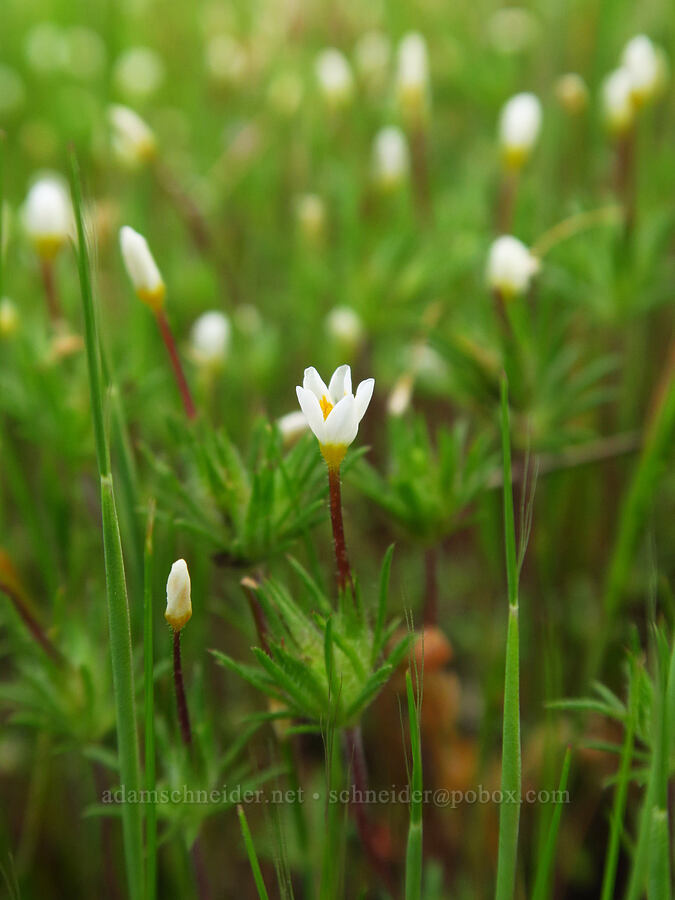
[(326, 406)]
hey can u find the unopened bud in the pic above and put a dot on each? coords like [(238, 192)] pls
[(210, 339), (142, 268), (178, 596), (133, 140), (412, 77), (572, 93), (510, 267), (391, 159), (335, 78), (519, 125), (48, 216)]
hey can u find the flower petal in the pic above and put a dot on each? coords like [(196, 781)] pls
[(309, 404), (314, 382), (341, 425), (340, 383), (364, 392)]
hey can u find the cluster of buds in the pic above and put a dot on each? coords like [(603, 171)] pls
[(510, 267), (519, 126), (48, 216), (638, 80)]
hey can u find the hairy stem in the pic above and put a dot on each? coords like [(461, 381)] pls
[(181, 702), (344, 574)]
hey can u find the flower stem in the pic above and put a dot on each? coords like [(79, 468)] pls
[(31, 623), (625, 177), (506, 201), (181, 702), (431, 586), (181, 381), (49, 285), (344, 574)]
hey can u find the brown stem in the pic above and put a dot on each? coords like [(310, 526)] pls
[(359, 778), (250, 587), (181, 702), (344, 574), (625, 177), (49, 284), (506, 201), (181, 381), (203, 889), (431, 586), (31, 623), (420, 171)]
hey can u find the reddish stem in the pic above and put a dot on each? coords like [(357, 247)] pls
[(181, 702), (344, 574), (181, 381), (49, 284), (506, 202), (31, 623)]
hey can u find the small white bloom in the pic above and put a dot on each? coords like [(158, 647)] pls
[(142, 268), (48, 215), (292, 425), (510, 266), (178, 596), (572, 93), (412, 76), (641, 59), (345, 325), (400, 396), (9, 318), (334, 412), (132, 138), (519, 126), (391, 159), (372, 56), (211, 338), (335, 78), (617, 99)]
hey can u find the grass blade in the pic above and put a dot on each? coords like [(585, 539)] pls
[(542, 884), (149, 691), (252, 856), (413, 857)]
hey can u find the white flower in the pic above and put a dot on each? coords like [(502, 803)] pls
[(345, 325), (142, 268), (48, 215), (412, 75), (292, 425), (334, 77), (510, 266), (642, 62), (178, 596), (519, 125), (210, 338), (333, 413), (572, 93), (391, 159), (617, 99), (132, 138)]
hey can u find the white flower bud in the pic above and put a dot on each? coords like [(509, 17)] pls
[(9, 318), (345, 326), (372, 56), (142, 268), (391, 159), (335, 78), (48, 216), (226, 60), (572, 93), (400, 396), (211, 339), (412, 77), (292, 425), (510, 266), (617, 99), (642, 62), (178, 596), (519, 125), (311, 215), (133, 140)]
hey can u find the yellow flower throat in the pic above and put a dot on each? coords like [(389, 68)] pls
[(326, 406)]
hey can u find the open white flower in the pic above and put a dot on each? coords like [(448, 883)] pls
[(210, 338), (642, 61), (334, 412), (510, 266), (178, 596), (519, 126), (335, 78), (617, 99), (142, 268), (133, 140), (48, 216)]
